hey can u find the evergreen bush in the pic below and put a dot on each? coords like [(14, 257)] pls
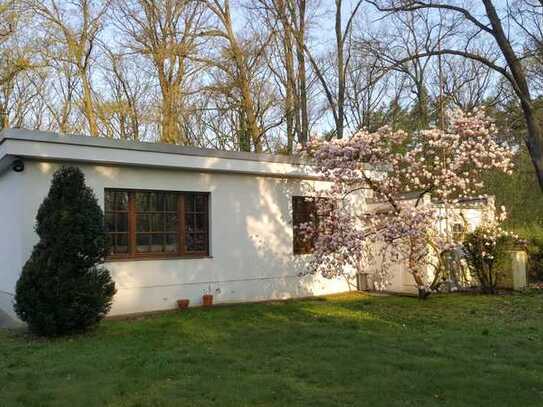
[(63, 287)]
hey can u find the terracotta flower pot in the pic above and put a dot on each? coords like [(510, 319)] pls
[(182, 304), (207, 300)]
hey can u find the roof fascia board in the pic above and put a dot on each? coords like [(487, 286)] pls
[(32, 149), (101, 142)]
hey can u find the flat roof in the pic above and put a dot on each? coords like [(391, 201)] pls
[(101, 142), (55, 147)]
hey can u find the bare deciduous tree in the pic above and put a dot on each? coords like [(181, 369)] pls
[(165, 33), (73, 41), (495, 27), (236, 62)]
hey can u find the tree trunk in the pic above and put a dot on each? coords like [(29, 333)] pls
[(534, 142), (168, 132), (4, 118), (303, 136), (534, 139), (290, 94), (244, 141), (247, 104), (88, 106), (340, 72)]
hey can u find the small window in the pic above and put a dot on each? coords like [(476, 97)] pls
[(151, 224), (305, 211), (459, 232)]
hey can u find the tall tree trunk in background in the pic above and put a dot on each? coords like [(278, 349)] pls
[(335, 91), (534, 138), (304, 133), (126, 94), (242, 75), (290, 86), (169, 132), (4, 118), (340, 42), (244, 141), (79, 45), (253, 131), (165, 33), (297, 10), (88, 105)]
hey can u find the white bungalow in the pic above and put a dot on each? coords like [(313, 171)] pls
[(183, 221)]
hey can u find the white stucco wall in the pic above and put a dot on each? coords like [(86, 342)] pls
[(11, 243), (250, 241)]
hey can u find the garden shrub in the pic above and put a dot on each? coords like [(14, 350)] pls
[(485, 250), (63, 287)]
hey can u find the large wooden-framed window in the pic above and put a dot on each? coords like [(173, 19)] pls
[(156, 224), (305, 210)]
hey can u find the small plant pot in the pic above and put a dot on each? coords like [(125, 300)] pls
[(207, 300), (182, 304)]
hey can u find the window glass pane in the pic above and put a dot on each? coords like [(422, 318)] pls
[(189, 202), (200, 222), (121, 243), (157, 243), (143, 242), (170, 222), (156, 215), (121, 201), (196, 242), (160, 201), (171, 243), (109, 219), (142, 201), (196, 202), (152, 201), (196, 222), (200, 202), (121, 222), (116, 200), (108, 200), (142, 223), (171, 202), (157, 222), (189, 222)]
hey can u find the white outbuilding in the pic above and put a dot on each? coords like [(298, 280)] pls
[(182, 221)]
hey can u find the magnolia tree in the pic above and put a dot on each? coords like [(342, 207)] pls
[(446, 165)]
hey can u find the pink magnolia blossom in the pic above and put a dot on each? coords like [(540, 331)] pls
[(445, 164)]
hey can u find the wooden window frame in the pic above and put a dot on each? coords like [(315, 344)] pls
[(181, 252)]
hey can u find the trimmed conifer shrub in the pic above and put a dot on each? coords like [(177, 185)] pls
[(63, 287)]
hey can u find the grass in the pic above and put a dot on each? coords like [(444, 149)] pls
[(348, 350)]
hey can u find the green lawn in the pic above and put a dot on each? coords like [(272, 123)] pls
[(337, 351)]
